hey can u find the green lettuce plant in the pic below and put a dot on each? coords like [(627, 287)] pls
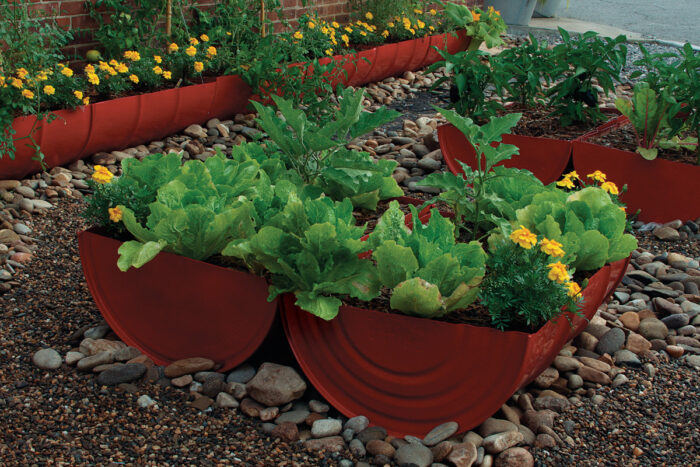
[(197, 213), (429, 273), (478, 209), (311, 249), (587, 223), (318, 154)]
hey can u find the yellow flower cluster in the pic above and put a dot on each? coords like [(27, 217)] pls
[(115, 214), (568, 180), (102, 174), (524, 237)]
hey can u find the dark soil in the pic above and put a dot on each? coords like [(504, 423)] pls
[(625, 139), (540, 122)]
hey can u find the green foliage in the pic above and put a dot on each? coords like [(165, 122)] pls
[(576, 63), (651, 116), (587, 222), (483, 26), (517, 290), (197, 212), (429, 272), (527, 67), (316, 151), (471, 76), (476, 204), (311, 249)]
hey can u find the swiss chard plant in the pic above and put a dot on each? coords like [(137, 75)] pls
[(311, 248), (577, 65), (429, 274), (318, 154), (652, 117), (477, 207), (196, 213)]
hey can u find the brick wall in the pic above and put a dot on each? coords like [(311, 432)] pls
[(72, 14)]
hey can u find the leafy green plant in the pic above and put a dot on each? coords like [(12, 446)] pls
[(477, 208), (317, 153), (471, 76), (524, 286), (587, 223), (482, 26), (311, 249), (197, 212), (429, 273), (527, 67), (652, 117), (576, 65)]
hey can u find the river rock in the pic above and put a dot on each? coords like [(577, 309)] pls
[(501, 441), (47, 359), (676, 321), (275, 385), (326, 427), (440, 433), (611, 341), (515, 457), (652, 328), (331, 444), (121, 374), (414, 454), (188, 366)]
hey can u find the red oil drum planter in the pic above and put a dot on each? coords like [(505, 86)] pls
[(546, 158), (663, 190), (410, 374), (175, 307)]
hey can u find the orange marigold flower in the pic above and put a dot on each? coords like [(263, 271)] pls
[(524, 237), (566, 182), (78, 94), (49, 90), (191, 51), (28, 94), (610, 187), (597, 176), (134, 79), (573, 289), (198, 67), (167, 74), (65, 71), (102, 174), (476, 16), (115, 214), (157, 59), (204, 38), (551, 247), (173, 47), (558, 272)]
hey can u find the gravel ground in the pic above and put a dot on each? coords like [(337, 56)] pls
[(65, 418)]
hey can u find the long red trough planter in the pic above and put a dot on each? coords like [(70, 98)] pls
[(663, 190), (410, 374), (175, 307), (545, 157), (123, 122)]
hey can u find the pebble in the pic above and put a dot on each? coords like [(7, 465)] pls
[(47, 359), (501, 441), (145, 401), (676, 321), (440, 433), (463, 454), (627, 358), (414, 454), (611, 341), (241, 374), (226, 401), (188, 365), (326, 427), (121, 374), (652, 328), (356, 424), (275, 385), (515, 457), (331, 444)]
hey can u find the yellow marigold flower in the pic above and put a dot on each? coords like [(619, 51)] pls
[(211, 51), (167, 74), (122, 68), (406, 23), (173, 47), (385, 33), (573, 174), (2, 82), (191, 51), (329, 52), (28, 94), (418, 12), (104, 65), (22, 73), (348, 28), (66, 72), (115, 214), (566, 182), (597, 176), (524, 237), (229, 33), (311, 25), (362, 33), (41, 76), (298, 35), (89, 69), (412, 31), (157, 70), (17, 83), (333, 41), (421, 24), (551, 247), (476, 16), (391, 25), (198, 67), (204, 38), (345, 39), (86, 101), (369, 16), (158, 59), (134, 79), (325, 30), (433, 11), (111, 71), (573, 289), (102, 174), (113, 62), (335, 24), (132, 55), (623, 208), (93, 79), (49, 90), (194, 41), (558, 272), (78, 94), (432, 28), (610, 187)]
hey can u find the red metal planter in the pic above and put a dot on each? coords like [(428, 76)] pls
[(546, 158), (126, 121), (175, 307), (410, 374), (663, 190)]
